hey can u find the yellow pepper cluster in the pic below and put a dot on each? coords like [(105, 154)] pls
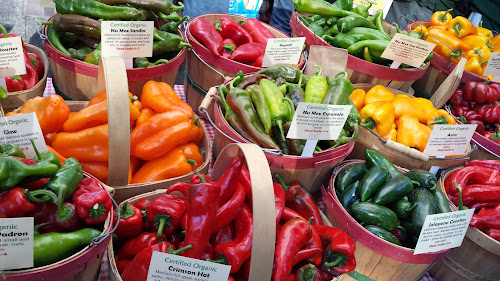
[(473, 43), (401, 118)]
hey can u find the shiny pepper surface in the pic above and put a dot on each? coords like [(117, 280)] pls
[(92, 201), (440, 117), (358, 98), (417, 107), (441, 18), (461, 27), (378, 93), (86, 145), (447, 45), (378, 115), (160, 97), (411, 133)]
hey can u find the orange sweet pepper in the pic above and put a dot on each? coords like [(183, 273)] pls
[(192, 151), (59, 156), (441, 18), (49, 138), (475, 41), (411, 133), (50, 111), (86, 145), (160, 97), (358, 98), (447, 45), (98, 169), (484, 32), (495, 41), (146, 113), (461, 27), (102, 96)]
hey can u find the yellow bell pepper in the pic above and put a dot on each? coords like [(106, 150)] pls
[(391, 135), (358, 98), (484, 32), (378, 93), (461, 27), (378, 115), (482, 54), (473, 65), (475, 41), (440, 116), (411, 133), (495, 41), (417, 107), (441, 18), (401, 96), (422, 30)]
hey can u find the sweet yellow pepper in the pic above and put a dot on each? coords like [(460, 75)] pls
[(417, 107), (484, 32), (378, 93), (482, 54), (422, 30), (358, 98), (378, 115), (461, 27), (411, 133), (440, 117), (392, 135), (495, 41), (473, 65), (476, 41)]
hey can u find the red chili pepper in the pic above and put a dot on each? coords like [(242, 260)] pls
[(92, 202), (230, 278), (492, 135), (203, 31), (228, 212), (489, 219), (229, 180), (308, 253), (457, 99), (130, 224), (478, 205), (18, 202), (480, 192), (71, 221), (492, 164), (474, 174), (174, 238), (308, 272), (472, 115), (339, 248), (248, 53), (201, 217), (31, 77), (289, 214), (258, 32), (494, 233), (14, 83), (232, 30), (228, 47), (133, 246), (293, 236), (258, 62), (224, 235), (37, 64), (121, 265), (44, 212), (479, 92), (236, 252), (298, 199), (139, 267), (247, 184), (460, 110), (165, 212), (315, 242), (181, 187), (279, 200), (142, 204), (490, 113)]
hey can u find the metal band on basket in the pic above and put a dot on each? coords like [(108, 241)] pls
[(103, 236)]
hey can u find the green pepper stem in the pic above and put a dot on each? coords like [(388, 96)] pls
[(460, 201), (334, 262), (195, 121), (310, 220), (320, 70), (442, 17), (280, 180), (3, 274), (439, 120), (237, 80), (36, 150), (38, 226), (434, 186), (41, 22), (202, 178), (279, 123), (370, 123), (192, 162), (227, 108), (5, 35), (177, 8), (178, 251), (221, 260), (161, 226), (47, 196), (457, 27), (60, 202)]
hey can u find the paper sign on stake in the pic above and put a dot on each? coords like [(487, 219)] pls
[(449, 139), (408, 50), (283, 50), (11, 57), (16, 243), (493, 66), (128, 39), (19, 129), (443, 231), (167, 267)]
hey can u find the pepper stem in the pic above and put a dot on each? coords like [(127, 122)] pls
[(439, 120), (334, 262), (456, 53), (320, 70), (442, 17), (5, 35), (280, 180), (41, 22), (202, 178), (415, 182), (161, 226), (279, 123), (310, 220), (369, 122), (457, 27), (60, 201), (178, 251), (192, 162), (47, 195), (177, 8), (460, 201), (221, 260), (227, 108), (36, 150)]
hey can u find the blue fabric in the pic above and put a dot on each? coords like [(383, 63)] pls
[(194, 8), (280, 18)]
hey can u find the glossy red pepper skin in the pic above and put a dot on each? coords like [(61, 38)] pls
[(174, 238), (480, 193), (72, 222), (165, 212), (480, 129), (494, 233), (258, 62), (31, 77), (37, 64), (279, 200), (92, 202), (479, 92), (232, 30), (315, 242), (492, 135), (204, 31), (196, 178), (229, 180), (133, 246), (460, 110), (142, 204), (35, 185), (337, 244), (472, 115), (228, 47), (208, 253), (181, 187), (121, 265), (138, 268), (490, 113), (201, 217), (489, 219), (475, 174), (225, 234), (238, 251), (298, 199), (457, 99), (293, 236), (307, 253), (289, 214), (492, 164), (228, 212), (310, 271), (130, 221), (14, 83), (258, 32), (15, 204), (248, 53), (247, 184)]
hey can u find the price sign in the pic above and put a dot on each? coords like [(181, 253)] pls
[(283, 50), (19, 130), (11, 57), (449, 139), (408, 50), (16, 243), (493, 66)]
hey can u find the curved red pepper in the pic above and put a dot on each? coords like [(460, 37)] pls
[(37, 64), (289, 214), (208, 253), (196, 179), (279, 200), (460, 110), (307, 253), (228, 212), (229, 179), (339, 248), (258, 32), (494, 233), (181, 187), (165, 212), (248, 53), (247, 184), (121, 265), (92, 202), (493, 136), (133, 246), (492, 164), (203, 31), (487, 219), (224, 235), (130, 224), (490, 113), (142, 204), (480, 126), (258, 62), (475, 174), (479, 92), (228, 47), (15, 204), (31, 77), (232, 30)]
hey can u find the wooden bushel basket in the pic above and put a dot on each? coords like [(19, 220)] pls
[(82, 266), (111, 79), (74, 79), (478, 258), (440, 69), (397, 153), (359, 70), (17, 99), (264, 224), (311, 172), (376, 258), (204, 70)]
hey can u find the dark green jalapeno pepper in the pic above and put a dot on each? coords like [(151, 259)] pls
[(7, 149), (259, 101), (348, 175), (290, 72), (375, 158), (403, 209), (371, 182), (349, 196), (316, 87), (394, 190), (383, 234)]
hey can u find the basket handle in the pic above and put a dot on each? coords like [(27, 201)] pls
[(407, 150), (112, 78), (207, 100), (264, 225)]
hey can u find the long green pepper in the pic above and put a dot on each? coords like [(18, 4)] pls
[(95, 9), (259, 101), (274, 99), (316, 87), (318, 7)]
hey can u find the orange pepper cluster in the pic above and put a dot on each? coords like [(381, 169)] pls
[(458, 37), (163, 137)]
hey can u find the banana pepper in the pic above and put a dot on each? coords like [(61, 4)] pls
[(378, 93), (447, 45), (358, 98), (378, 115), (412, 133), (440, 116), (417, 107), (460, 27)]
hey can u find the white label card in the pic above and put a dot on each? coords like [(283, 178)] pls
[(11, 57), (167, 267), (443, 231), (408, 50), (128, 39), (314, 121), (449, 139), (283, 50), (16, 243), (493, 66), (19, 129)]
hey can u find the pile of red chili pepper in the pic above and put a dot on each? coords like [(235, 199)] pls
[(245, 43), (184, 221), (261, 107), (163, 139), (34, 69), (477, 103), (63, 203), (477, 185)]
